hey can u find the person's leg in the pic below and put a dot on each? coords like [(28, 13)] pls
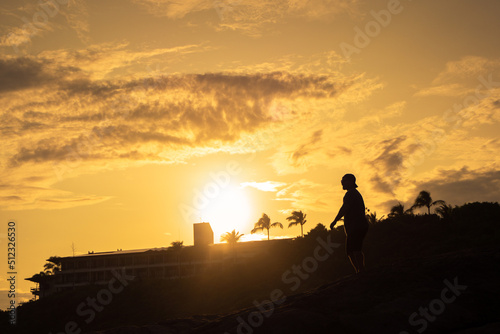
[(359, 259), (353, 260), (359, 256), (349, 251), (354, 245)]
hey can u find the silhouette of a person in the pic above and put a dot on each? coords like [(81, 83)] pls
[(355, 222)]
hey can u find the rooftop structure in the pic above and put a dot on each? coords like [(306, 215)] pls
[(203, 234)]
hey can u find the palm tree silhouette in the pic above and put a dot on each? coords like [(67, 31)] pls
[(445, 211), (424, 199), (176, 247), (398, 210), (297, 217), (53, 265), (231, 238), (372, 217), (264, 222)]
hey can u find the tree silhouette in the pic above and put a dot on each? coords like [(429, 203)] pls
[(424, 199), (445, 211), (318, 230), (53, 265), (398, 210), (231, 238), (372, 217), (264, 222), (297, 218), (176, 247)]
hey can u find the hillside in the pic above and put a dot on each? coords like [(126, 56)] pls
[(381, 300), (410, 261)]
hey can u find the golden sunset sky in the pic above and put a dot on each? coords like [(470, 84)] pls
[(125, 122)]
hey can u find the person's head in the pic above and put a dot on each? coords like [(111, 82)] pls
[(348, 182)]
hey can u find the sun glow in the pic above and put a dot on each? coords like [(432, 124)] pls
[(229, 209)]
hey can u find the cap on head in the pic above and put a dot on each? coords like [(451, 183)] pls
[(350, 177)]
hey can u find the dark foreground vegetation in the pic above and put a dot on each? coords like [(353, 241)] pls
[(425, 273)]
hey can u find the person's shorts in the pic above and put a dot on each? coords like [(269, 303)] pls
[(354, 240)]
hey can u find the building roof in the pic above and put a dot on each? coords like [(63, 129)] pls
[(247, 244), (117, 252)]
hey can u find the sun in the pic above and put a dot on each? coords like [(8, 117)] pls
[(230, 209)]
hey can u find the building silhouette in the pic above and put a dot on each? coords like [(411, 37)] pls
[(203, 234), (152, 263)]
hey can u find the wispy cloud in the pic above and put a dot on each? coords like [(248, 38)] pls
[(251, 8), (465, 68), (254, 17), (175, 9), (459, 77), (454, 89), (39, 197), (389, 163), (104, 61), (251, 16), (29, 20), (77, 17), (271, 186), (307, 195), (306, 148)]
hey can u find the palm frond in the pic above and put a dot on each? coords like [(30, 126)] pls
[(231, 237), (256, 229), (277, 224)]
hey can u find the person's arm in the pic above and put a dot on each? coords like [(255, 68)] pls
[(341, 213), (339, 216)]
